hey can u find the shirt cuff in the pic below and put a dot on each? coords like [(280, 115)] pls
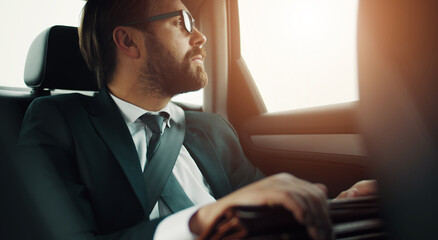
[(176, 226)]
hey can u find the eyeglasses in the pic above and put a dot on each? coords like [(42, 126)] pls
[(189, 22)]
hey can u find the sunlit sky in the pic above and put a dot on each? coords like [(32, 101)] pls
[(301, 53)]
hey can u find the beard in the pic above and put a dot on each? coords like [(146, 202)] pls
[(164, 76)]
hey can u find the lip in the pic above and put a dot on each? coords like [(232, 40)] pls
[(198, 58)]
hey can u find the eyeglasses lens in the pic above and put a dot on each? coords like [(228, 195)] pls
[(187, 21)]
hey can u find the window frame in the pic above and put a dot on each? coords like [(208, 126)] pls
[(236, 57)]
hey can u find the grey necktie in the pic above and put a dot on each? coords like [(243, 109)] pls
[(173, 194), (155, 124)]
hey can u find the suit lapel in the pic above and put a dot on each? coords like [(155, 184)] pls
[(110, 125), (203, 152)]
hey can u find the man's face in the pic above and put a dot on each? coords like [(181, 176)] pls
[(174, 57)]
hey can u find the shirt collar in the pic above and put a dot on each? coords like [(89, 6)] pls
[(131, 112)]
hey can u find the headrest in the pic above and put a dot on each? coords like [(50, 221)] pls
[(54, 61)]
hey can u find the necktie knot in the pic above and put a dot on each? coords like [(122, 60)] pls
[(154, 122)]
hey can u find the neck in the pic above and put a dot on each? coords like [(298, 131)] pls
[(138, 96)]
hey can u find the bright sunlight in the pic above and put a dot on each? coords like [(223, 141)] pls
[(301, 53)]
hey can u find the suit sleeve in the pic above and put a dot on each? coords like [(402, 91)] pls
[(243, 171), (224, 139), (47, 173)]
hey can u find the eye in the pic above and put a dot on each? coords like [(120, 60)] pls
[(180, 21)]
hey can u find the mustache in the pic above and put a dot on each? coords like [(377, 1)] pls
[(197, 51)]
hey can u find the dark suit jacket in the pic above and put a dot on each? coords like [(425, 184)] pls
[(86, 178)]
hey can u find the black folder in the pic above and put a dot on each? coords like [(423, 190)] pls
[(356, 218)]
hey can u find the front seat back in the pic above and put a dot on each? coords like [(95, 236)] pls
[(398, 75)]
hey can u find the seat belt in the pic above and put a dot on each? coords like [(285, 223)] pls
[(159, 168)]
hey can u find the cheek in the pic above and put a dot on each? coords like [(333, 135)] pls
[(176, 42), (179, 46), (179, 51)]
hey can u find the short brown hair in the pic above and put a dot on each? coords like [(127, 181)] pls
[(99, 18)]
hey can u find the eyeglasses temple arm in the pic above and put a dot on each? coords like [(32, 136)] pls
[(156, 18)]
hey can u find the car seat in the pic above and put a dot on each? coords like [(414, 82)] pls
[(54, 62)]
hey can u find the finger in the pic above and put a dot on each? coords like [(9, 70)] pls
[(342, 195), (351, 193), (307, 201), (366, 187), (322, 187), (293, 200), (318, 213), (296, 204), (311, 198), (312, 209), (319, 206)]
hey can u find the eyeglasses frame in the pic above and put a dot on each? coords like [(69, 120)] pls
[(165, 16)]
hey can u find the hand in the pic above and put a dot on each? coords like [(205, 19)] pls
[(362, 188), (307, 202)]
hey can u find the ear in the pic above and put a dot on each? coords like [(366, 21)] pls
[(124, 39)]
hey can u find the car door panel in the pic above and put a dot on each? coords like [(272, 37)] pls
[(320, 145)]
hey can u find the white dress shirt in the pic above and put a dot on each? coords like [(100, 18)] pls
[(185, 171)]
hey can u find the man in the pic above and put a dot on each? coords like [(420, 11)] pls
[(109, 155)]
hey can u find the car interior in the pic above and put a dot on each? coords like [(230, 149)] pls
[(390, 134)]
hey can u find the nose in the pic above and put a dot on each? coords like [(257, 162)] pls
[(197, 38)]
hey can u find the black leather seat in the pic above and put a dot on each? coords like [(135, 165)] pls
[(53, 62)]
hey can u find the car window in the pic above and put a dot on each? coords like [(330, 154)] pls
[(21, 21), (196, 97), (300, 53)]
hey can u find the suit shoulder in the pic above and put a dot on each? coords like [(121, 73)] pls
[(209, 122), (203, 117), (63, 98), (62, 101)]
